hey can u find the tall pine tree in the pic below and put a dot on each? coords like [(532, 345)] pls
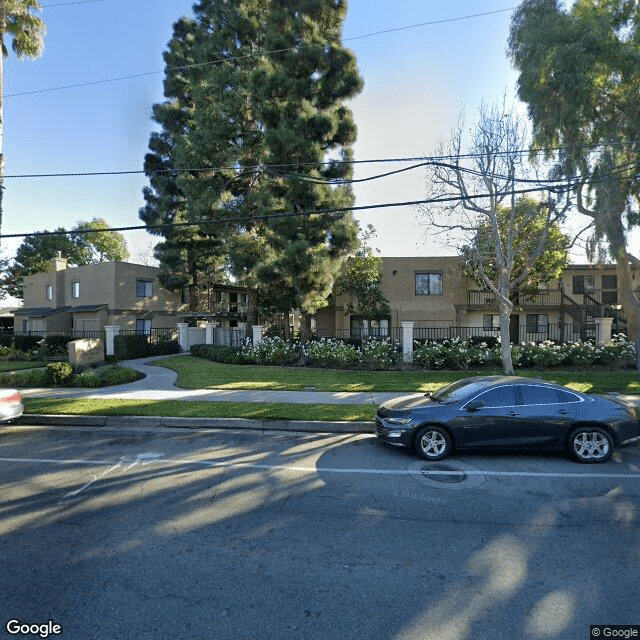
[(300, 92), (255, 124), (193, 160)]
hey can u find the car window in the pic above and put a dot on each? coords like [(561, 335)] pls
[(567, 396), (458, 391), (499, 397), (535, 394)]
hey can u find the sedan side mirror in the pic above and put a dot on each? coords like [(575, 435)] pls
[(474, 405)]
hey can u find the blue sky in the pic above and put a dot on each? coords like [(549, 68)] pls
[(417, 82)]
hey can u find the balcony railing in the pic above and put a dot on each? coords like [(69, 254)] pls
[(542, 298)]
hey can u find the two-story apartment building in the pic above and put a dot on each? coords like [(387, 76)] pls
[(434, 293), (87, 298)]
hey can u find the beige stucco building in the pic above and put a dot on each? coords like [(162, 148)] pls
[(434, 294), (88, 298)]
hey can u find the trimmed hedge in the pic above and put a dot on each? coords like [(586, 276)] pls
[(136, 345)]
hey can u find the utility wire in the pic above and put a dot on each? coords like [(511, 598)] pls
[(292, 214), (245, 57), (423, 160)]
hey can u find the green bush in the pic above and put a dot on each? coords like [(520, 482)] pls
[(115, 374), (59, 373), (132, 345), (164, 348), (24, 378), (87, 379)]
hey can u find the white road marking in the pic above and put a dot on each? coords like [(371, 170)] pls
[(146, 459)]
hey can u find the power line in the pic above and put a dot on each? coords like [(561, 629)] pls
[(293, 214), (245, 57), (65, 4), (427, 161)]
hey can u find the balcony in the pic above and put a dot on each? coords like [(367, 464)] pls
[(479, 299)]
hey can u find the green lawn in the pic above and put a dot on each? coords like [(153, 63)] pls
[(16, 365), (190, 409), (197, 373)]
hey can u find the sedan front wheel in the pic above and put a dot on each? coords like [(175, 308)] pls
[(590, 444), (433, 443)]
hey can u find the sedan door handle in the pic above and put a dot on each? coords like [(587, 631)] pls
[(563, 412), (514, 413)]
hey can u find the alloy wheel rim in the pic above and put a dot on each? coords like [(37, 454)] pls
[(433, 443), (591, 445)]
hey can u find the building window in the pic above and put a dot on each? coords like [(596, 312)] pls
[(143, 326), (144, 288), (490, 322), (49, 292), (428, 284), (610, 289), (75, 289), (537, 323), (583, 284)]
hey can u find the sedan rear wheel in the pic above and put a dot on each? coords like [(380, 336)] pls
[(433, 443), (590, 444)]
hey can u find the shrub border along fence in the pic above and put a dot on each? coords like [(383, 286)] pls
[(386, 354)]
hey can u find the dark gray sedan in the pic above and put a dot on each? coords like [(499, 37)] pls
[(508, 412)]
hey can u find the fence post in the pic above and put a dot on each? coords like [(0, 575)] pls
[(407, 341), (257, 331), (209, 328), (183, 336), (603, 329), (111, 331)]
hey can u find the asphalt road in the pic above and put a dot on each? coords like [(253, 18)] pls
[(118, 533)]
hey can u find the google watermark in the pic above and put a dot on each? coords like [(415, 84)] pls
[(598, 631), (41, 629)]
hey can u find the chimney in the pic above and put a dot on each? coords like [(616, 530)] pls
[(59, 263)]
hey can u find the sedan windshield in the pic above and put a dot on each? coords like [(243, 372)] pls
[(459, 391)]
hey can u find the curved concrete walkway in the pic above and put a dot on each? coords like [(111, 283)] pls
[(159, 384)]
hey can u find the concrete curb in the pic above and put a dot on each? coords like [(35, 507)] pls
[(311, 426)]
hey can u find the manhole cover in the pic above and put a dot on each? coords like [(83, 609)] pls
[(443, 473)]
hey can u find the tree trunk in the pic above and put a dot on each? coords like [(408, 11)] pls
[(305, 328), (629, 301), (505, 340)]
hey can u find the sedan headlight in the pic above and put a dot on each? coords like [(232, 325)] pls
[(398, 420)]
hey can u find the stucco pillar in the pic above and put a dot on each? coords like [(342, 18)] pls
[(183, 336), (407, 341), (111, 331), (603, 329), (257, 331), (209, 332)]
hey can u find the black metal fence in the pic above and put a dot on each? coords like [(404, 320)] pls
[(155, 336), (560, 333)]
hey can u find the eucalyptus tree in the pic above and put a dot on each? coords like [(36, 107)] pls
[(26, 32), (578, 74)]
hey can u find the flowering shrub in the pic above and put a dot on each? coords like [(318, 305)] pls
[(456, 354), (270, 351), (332, 353), (540, 356), (383, 353), (380, 353)]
